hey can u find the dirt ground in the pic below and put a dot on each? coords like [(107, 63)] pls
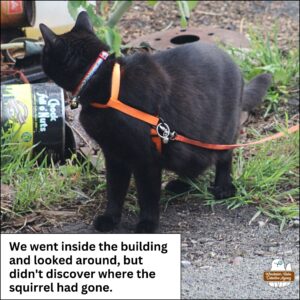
[(223, 257), (232, 15)]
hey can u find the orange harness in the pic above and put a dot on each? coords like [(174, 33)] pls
[(160, 130)]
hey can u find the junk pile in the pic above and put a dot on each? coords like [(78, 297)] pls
[(32, 108)]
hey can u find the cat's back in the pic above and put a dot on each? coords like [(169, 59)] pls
[(199, 57), (204, 72), (200, 49)]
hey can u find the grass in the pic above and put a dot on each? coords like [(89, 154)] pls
[(37, 183), (265, 55), (268, 179)]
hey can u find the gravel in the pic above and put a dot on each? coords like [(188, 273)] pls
[(223, 257), (226, 281)]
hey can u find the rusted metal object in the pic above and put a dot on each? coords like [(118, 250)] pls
[(176, 37), (17, 14)]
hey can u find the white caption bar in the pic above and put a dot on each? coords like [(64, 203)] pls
[(90, 266)]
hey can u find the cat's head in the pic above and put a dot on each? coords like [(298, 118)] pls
[(67, 57)]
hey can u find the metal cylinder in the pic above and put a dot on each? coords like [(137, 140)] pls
[(17, 14), (36, 114)]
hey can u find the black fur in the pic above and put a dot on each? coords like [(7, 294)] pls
[(195, 88)]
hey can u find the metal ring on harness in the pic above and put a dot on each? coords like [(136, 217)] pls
[(164, 132)]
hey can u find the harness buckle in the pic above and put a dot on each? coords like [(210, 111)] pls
[(164, 132)]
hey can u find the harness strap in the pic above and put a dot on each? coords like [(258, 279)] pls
[(183, 139), (113, 102), (156, 133), (156, 139), (128, 110)]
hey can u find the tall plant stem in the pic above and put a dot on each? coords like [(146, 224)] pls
[(121, 8)]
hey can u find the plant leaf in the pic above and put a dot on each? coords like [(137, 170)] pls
[(109, 37), (96, 20), (192, 4), (73, 8), (186, 9), (117, 43), (283, 221), (183, 22), (151, 3), (183, 19), (113, 40)]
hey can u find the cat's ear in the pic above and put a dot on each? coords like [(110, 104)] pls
[(48, 35), (83, 22)]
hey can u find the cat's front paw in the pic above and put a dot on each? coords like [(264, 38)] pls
[(177, 187), (104, 223), (223, 192), (146, 227)]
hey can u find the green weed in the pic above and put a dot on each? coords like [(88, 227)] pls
[(265, 55), (269, 180), (37, 183)]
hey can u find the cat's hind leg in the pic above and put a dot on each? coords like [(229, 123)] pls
[(223, 186)]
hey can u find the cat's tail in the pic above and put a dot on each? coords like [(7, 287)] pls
[(255, 91)]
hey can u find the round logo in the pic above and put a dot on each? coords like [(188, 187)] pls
[(26, 136)]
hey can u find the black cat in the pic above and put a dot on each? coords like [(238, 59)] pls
[(196, 89)]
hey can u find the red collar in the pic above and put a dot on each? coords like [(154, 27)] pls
[(91, 71)]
